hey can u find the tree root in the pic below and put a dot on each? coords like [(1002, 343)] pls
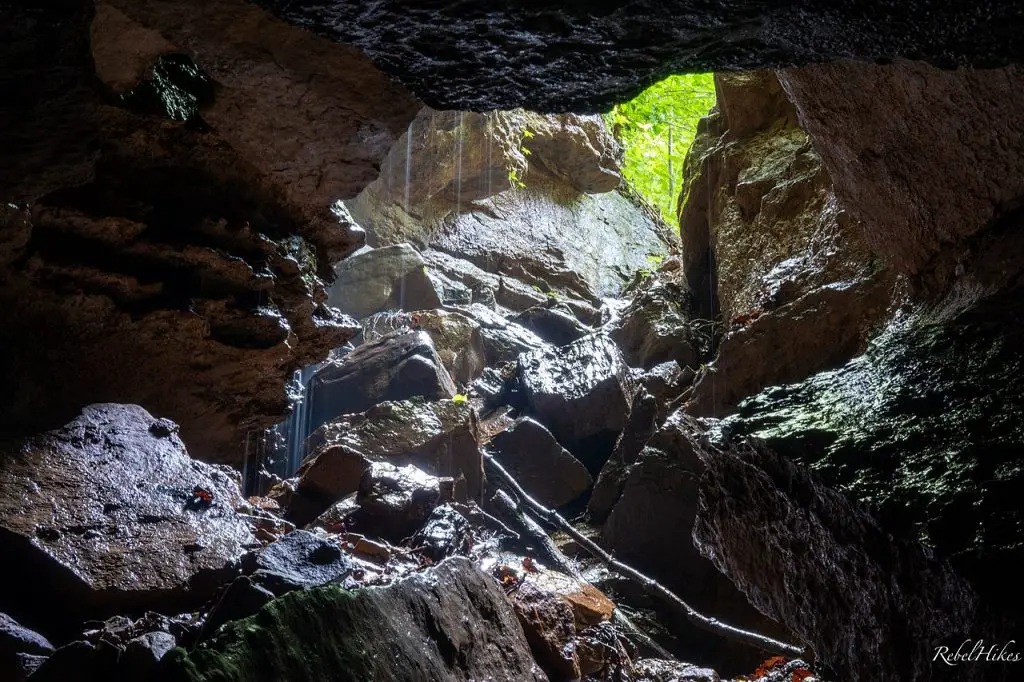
[(651, 587)]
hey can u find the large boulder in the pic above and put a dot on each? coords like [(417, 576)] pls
[(925, 428), (578, 391), (448, 159), (393, 277), (923, 186), (818, 331), (582, 246), (651, 527), (554, 324), (109, 514), (546, 470), (808, 556), (402, 364), (440, 438), (503, 339), (451, 622), (654, 326)]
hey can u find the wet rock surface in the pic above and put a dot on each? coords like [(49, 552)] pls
[(923, 429), (761, 515), (556, 326), (579, 245), (393, 277), (439, 438), (405, 619), (578, 391), (938, 210), (544, 58), (188, 244), (402, 364), (110, 514), (654, 325), (546, 470), (651, 525), (298, 560), (21, 649)]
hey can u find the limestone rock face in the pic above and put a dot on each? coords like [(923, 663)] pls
[(104, 515), (817, 331), (518, 194), (387, 634), (924, 428), (393, 277), (543, 56), (768, 246), (758, 215), (583, 246), (447, 159)]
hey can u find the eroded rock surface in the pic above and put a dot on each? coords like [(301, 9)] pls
[(110, 514), (184, 228), (569, 57), (371, 280), (578, 391), (402, 364), (440, 438)]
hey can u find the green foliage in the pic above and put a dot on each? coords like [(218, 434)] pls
[(644, 126)]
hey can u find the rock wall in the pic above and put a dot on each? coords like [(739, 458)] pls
[(167, 177), (769, 249), (516, 194), (938, 163)]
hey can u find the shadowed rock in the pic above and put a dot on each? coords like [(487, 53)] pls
[(579, 390), (440, 438), (392, 277), (425, 626), (546, 470)]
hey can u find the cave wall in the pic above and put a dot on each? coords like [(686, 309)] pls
[(924, 158), (165, 240)]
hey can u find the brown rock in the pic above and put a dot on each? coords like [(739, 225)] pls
[(654, 326), (190, 253), (393, 278), (104, 516), (546, 470), (440, 438), (548, 624), (775, 229), (942, 166)]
